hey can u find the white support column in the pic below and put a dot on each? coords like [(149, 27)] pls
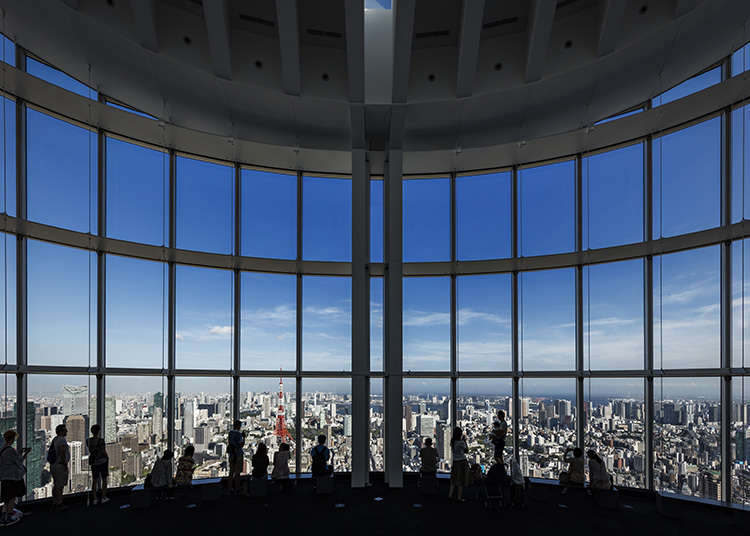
[(21, 249), (393, 320), (360, 318)]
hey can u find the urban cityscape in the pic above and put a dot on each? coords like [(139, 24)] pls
[(687, 452)]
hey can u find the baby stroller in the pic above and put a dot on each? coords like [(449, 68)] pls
[(494, 488)]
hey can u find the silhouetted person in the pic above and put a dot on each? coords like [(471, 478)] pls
[(460, 467), (574, 476), (498, 434), (281, 465), (236, 453), (161, 478), (99, 462), (260, 462), (517, 484), (185, 467), (12, 484), (598, 474), (320, 455), (58, 457), (429, 458)]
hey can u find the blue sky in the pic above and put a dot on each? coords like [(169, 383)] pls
[(62, 281)]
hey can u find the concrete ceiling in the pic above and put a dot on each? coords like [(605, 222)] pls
[(451, 73)]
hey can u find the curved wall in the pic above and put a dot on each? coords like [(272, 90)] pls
[(598, 298)]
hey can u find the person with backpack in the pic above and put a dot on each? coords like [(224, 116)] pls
[(12, 484), (320, 455), (58, 457), (160, 478), (236, 453), (185, 467), (99, 462)]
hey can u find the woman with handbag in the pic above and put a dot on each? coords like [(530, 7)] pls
[(12, 484)]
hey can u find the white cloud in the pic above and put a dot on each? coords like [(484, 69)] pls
[(220, 330)]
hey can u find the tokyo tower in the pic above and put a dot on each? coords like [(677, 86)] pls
[(280, 429)]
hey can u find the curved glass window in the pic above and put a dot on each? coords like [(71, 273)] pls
[(269, 214), (426, 220), (326, 219), (546, 209), (483, 216), (8, 155), (426, 323), (326, 323), (205, 206)]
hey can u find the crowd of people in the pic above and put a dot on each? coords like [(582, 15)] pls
[(463, 475), (162, 477)]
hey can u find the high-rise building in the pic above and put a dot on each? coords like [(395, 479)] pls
[(348, 425), (110, 413), (188, 419), (158, 423), (407, 418), (426, 424), (76, 425), (75, 400)]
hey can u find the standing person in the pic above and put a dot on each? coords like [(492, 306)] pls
[(236, 456), (498, 434), (161, 478), (12, 472), (99, 462), (281, 466), (58, 457), (429, 458), (574, 476), (185, 467), (460, 468), (260, 461), (320, 456), (598, 474), (517, 484)]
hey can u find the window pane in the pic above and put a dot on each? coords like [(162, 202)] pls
[(61, 173), (686, 309), (8, 308), (740, 303), (269, 321), (377, 431), (8, 50), (547, 209), (55, 400), (618, 116), (269, 214), (614, 427), (376, 220), (427, 220), (261, 417), (687, 454), (129, 109), (137, 193), (741, 60), (687, 171), (204, 418), (58, 78), (427, 413), (8, 154), (740, 151), (203, 304), (688, 87), (136, 313), (326, 323), (205, 206), (426, 323), (740, 442), (376, 323), (547, 424), (479, 401), (547, 307), (613, 197), (327, 406), (135, 427), (483, 216), (613, 315), (484, 325), (61, 305), (326, 219)]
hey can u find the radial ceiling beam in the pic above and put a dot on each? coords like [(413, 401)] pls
[(355, 49), (72, 3), (468, 46), (291, 73), (609, 34), (216, 14), (144, 16), (541, 17), (403, 35), (683, 6)]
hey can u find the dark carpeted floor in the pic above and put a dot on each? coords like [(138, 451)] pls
[(401, 511)]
